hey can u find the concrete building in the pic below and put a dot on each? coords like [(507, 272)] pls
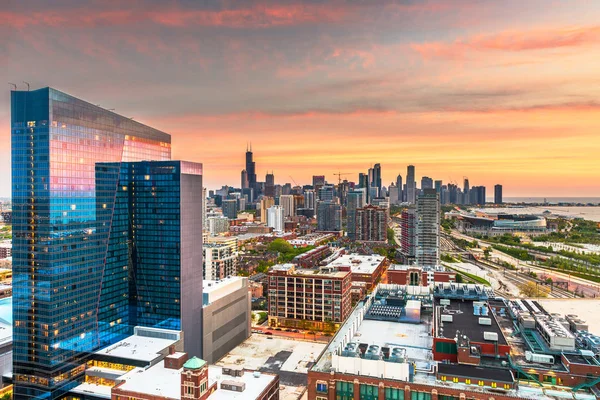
[(217, 225), (354, 201), (220, 259), (371, 224), (226, 316), (309, 199), (428, 229), (366, 269), (287, 204), (230, 208), (265, 203), (305, 298), (275, 218), (329, 216), (498, 194), (416, 276), (409, 233)]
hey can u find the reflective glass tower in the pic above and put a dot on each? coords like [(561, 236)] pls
[(66, 261)]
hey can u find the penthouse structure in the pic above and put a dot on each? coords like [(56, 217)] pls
[(302, 298), (367, 269)]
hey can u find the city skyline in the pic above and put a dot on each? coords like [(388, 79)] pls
[(456, 89)]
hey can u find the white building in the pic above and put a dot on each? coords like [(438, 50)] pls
[(275, 218), (287, 203), (218, 225), (220, 258)]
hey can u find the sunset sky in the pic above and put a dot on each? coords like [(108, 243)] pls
[(500, 91)]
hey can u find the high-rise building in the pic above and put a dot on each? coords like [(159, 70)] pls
[(466, 192), (275, 218), (438, 186), (371, 224), (326, 193), (393, 194), (230, 208), (318, 181), (220, 257), (86, 219), (265, 203), (270, 185), (309, 199), (217, 225), (411, 185), (244, 179), (251, 170), (286, 201), (399, 186), (498, 194), (409, 232), (329, 216), (477, 195), (428, 229), (377, 176), (355, 200), (426, 183)]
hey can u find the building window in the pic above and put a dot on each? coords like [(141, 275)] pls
[(368, 392), (188, 389), (344, 390), (394, 394), (468, 381), (480, 383), (506, 386), (321, 398), (321, 387), (420, 396), (494, 384), (455, 380)]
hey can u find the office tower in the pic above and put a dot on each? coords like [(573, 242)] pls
[(326, 193), (230, 208), (62, 233), (269, 185), (287, 203), (286, 189), (498, 194), (373, 188), (426, 183), (241, 204), (377, 176), (477, 195), (204, 201), (411, 185), (393, 194), (466, 191), (438, 186), (251, 170), (444, 195), (428, 229), (329, 216), (265, 203), (363, 180), (371, 224), (355, 200), (318, 181), (452, 193), (309, 199), (409, 232), (275, 218), (399, 186), (244, 179)]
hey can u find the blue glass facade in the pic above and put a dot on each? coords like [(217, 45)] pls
[(78, 247)]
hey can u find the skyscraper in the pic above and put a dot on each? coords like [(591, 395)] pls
[(438, 186), (270, 185), (477, 195), (377, 177), (498, 194), (466, 192), (428, 229), (251, 170), (426, 183), (399, 185), (371, 224), (309, 199), (286, 201), (329, 216), (318, 182), (326, 193), (355, 200), (66, 217), (230, 208), (411, 185), (409, 233), (275, 218), (244, 179)]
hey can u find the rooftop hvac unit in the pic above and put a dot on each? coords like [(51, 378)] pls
[(492, 336), (446, 318), (485, 321), (233, 386)]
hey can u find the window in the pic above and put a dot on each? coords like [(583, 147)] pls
[(188, 389), (420, 396), (321, 387), (506, 386), (468, 381), (455, 380), (321, 398), (344, 390), (368, 392), (394, 394), (480, 383), (494, 384)]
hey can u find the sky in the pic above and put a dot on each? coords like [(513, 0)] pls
[(497, 91)]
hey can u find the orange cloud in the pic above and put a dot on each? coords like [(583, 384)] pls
[(510, 41)]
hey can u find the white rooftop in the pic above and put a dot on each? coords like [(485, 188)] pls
[(213, 290), (359, 264), (255, 385), (140, 348), (93, 389)]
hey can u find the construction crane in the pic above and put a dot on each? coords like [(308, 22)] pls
[(339, 175), (293, 180)]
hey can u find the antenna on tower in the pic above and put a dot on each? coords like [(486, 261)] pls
[(27, 83), (13, 85)]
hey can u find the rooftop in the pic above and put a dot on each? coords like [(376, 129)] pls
[(288, 268), (359, 264), (465, 321), (138, 348), (470, 371)]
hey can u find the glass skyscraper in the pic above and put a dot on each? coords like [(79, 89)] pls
[(80, 244)]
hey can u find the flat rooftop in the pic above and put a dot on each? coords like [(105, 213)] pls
[(470, 371), (585, 309), (290, 359), (139, 348), (467, 323), (308, 272), (359, 264)]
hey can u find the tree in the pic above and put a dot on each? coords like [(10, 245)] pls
[(486, 253), (531, 289), (280, 246)]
